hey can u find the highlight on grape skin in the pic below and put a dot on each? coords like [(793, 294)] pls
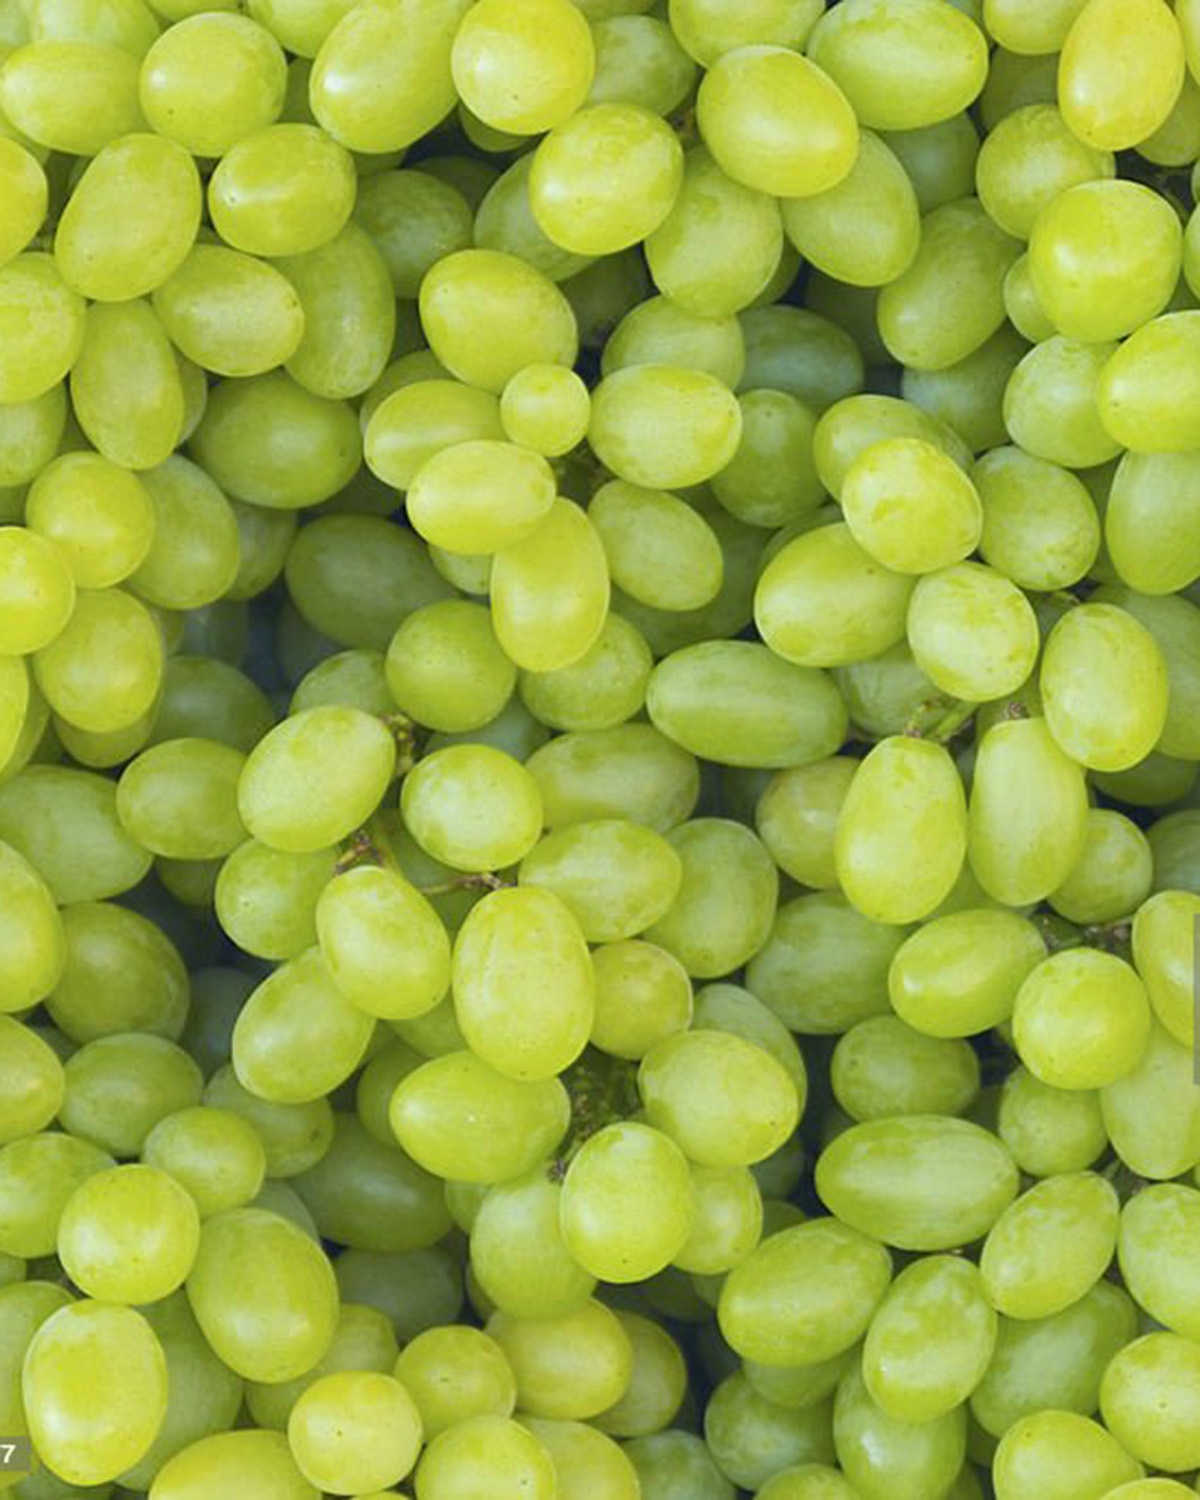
[(599, 749)]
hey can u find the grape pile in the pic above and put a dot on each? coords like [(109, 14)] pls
[(599, 749)]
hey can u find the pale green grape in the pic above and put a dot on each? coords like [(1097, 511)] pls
[(969, 395), (420, 419), (352, 678), (1050, 405), (1056, 1454), (97, 514), (129, 1234), (1024, 311), (213, 1153), (479, 496), (1029, 161), (586, 1462), (211, 81), (797, 814), (659, 550), (294, 1136), (911, 507), (266, 899), (488, 314), (1050, 1246), (297, 1036), (364, 1339), (882, 1068), (205, 697), (519, 1254), (1030, 29), (939, 159), (959, 974), (1152, 1115), (1147, 1397), (660, 331), (708, 29), (919, 1182), (1040, 527), (883, 1456), (807, 1482), (194, 556), (663, 427), (455, 1373), (17, 723), (37, 591), (1113, 876), (222, 1459), (25, 198), (639, 60), (603, 689), (282, 190), (488, 1455), (473, 807), (1049, 1130), (1113, 104), (546, 408), (230, 313), (630, 771), (931, 1340), (39, 1173), (1155, 1231), (617, 877), (1163, 952), (642, 995), (656, 1385), (1081, 1019), (122, 974), (567, 1367), (523, 69), (504, 221), (727, 1221), (179, 799), (1135, 402), (771, 479), (32, 939), (445, 667), (752, 1439), (86, 1426), (125, 385), (854, 424), (355, 1430), (34, 1078), (1151, 547), (73, 96), (792, 349), (972, 631), (676, 1465), (414, 220), (30, 434), (119, 1087)]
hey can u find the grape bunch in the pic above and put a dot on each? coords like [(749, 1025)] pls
[(599, 749)]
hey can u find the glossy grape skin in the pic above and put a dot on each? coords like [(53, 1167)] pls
[(1162, 948), (441, 792), (294, 1136), (87, 1437), (266, 899), (32, 941), (232, 314), (355, 1429), (236, 1457), (882, 1068), (1151, 1114), (569, 1367), (752, 1439), (490, 1454), (1050, 404), (1145, 396), (281, 191), (1051, 1453), (883, 1456), (73, 96), (1115, 108), (36, 1081), (1028, 161), (658, 549), (213, 1153), (1039, 523), (39, 1173), (1070, 1042), (1155, 1230), (910, 506), (695, 419), (675, 1464), (518, 1254), (959, 974), (605, 688), (97, 514), (179, 799), (455, 1373), (33, 293), (26, 196)]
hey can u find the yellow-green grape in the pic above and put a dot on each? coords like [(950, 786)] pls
[(354, 679), (792, 349), (1103, 684), (663, 427), (940, 1304), (30, 435), (708, 29), (659, 550), (1147, 1397), (294, 1008), (1081, 1020), (643, 994), (119, 1087), (414, 220), (1152, 548), (656, 1386), (122, 974), (546, 408), (1113, 876), (550, 591), (808, 1482), (1155, 1232), (919, 1182), (384, 944), (222, 1460), (266, 899), (1151, 1114), (1015, 80), (639, 60), (179, 799), (796, 817), (856, 423), (1051, 404), (131, 220), (727, 1222), (487, 315), (465, 1122), (1177, 140), (355, 1430), (35, 1075), (901, 70), (488, 1455), (478, 496), (1162, 950), (382, 77), (885, 693), (103, 670), (523, 68), (41, 327), (455, 1373), (939, 159), (263, 1293), (865, 230), (627, 1205), (73, 96), (129, 1235), (969, 395), (776, 122), (300, 26), (1030, 29), (519, 1256), (735, 703), (212, 80), (1120, 71), (1049, 1130), (37, 591), (728, 1008), (907, 793), (605, 179), (364, 1339), (882, 1068), (973, 632), (586, 1462), (15, 714), (910, 506), (213, 1153), (1051, 1454), (294, 1136), (604, 688), (39, 1173), (617, 877), (346, 298), (718, 248), (384, 1072), (412, 424), (349, 752), (959, 974), (751, 1439), (1024, 311), (125, 385), (281, 191), (97, 514), (881, 1455), (805, 1294), (194, 555), (950, 300), (472, 807), (724, 1100), (1104, 258), (1027, 162), (230, 313), (771, 479), (25, 196), (445, 667), (1040, 527), (629, 771), (823, 601), (504, 221), (86, 1426), (1145, 396)]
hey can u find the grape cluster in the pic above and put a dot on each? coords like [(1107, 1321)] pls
[(599, 735)]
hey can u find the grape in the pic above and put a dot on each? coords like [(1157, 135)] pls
[(1052, 1453), (696, 411), (98, 516), (546, 408), (518, 1252), (751, 1439), (882, 1068), (455, 1373), (25, 199), (911, 507), (232, 1458), (1162, 950), (38, 1174), (73, 96), (1151, 1113), (544, 56), (1115, 108), (1026, 1278), (882, 1455), (1137, 406), (1056, 1045), (569, 1367), (363, 1340), (676, 1465), (487, 1454), (959, 974), (355, 1430), (36, 1088), (213, 1153), (129, 1235), (1040, 527)]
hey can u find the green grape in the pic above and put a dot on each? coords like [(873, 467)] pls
[(381, 80), (1114, 874), (420, 419), (1152, 1115), (273, 1042), (791, 349), (1050, 405), (939, 159), (906, 793), (519, 1254), (1155, 1232), (266, 899), (417, 1289), (454, 1374), (294, 1136), (1154, 782), (969, 395), (263, 1293), (950, 299), (639, 60), (179, 799), (211, 81), (504, 222), (122, 974), (1040, 527), (472, 807), (602, 690), (1136, 404), (85, 1426), (1113, 106), (930, 1342), (39, 1173), (445, 667), (37, 591), (1056, 1454), (972, 631), (643, 994), (1151, 548), (959, 974), (203, 1396), (662, 427), (72, 96), (659, 550), (32, 937), (129, 1234), (864, 230), (885, 1456), (480, 496), (1015, 80), (719, 246), (523, 69), (414, 220), (354, 679), (283, 190), (629, 771), (727, 1222), (1050, 1246), (1024, 311), (222, 1460), (300, 26), (355, 1430), (1172, 842), (586, 1462), (708, 30), (854, 424), (15, 715), (488, 314), (676, 1465), (615, 876), (885, 693), (213, 1153), (1163, 951), (919, 1182), (1029, 161), (728, 1008), (567, 1367), (545, 408), (807, 1482), (1027, 815), (25, 198), (205, 694), (230, 313), (656, 1385), (97, 514), (882, 1068), (377, 1082), (465, 1122), (103, 672), (486, 1455), (30, 435), (771, 479), (1030, 29), (751, 1439), (119, 1087), (34, 1079), (1081, 1019), (351, 753), (797, 816), (1054, 1363), (125, 386)]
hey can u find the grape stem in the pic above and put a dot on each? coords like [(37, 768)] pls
[(484, 880), (939, 719)]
